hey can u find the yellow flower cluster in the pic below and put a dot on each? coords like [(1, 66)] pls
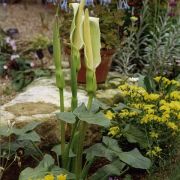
[(154, 135), (128, 114), (166, 82), (175, 95), (132, 91), (151, 97), (113, 131), (149, 118), (110, 115), (154, 151), (155, 113), (59, 177), (155, 107)]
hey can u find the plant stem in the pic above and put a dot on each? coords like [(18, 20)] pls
[(74, 101), (82, 134), (70, 144), (62, 126), (60, 83), (86, 168), (37, 149)]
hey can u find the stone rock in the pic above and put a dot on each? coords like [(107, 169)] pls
[(109, 96), (40, 97), (5, 116), (39, 102)]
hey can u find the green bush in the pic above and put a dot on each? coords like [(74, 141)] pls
[(149, 120)]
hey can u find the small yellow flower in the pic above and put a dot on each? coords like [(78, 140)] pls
[(151, 97), (166, 81), (176, 83), (133, 18), (49, 177), (162, 102), (114, 131), (158, 78), (61, 177), (172, 126), (109, 115), (164, 107), (154, 135), (157, 149), (175, 95), (174, 105)]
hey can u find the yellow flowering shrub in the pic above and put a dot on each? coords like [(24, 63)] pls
[(156, 114)]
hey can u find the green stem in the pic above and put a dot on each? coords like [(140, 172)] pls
[(37, 149), (70, 144), (62, 125), (74, 101), (82, 130), (86, 168), (35, 158)]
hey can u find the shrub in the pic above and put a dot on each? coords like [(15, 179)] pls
[(149, 120)]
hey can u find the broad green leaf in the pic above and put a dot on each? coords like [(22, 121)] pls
[(98, 150), (91, 118), (119, 107), (80, 109), (115, 168), (45, 167), (57, 150), (31, 136), (27, 128), (111, 144), (134, 135), (149, 83), (92, 43), (68, 117), (98, 104), (6, 131), (135, 159), (40, 171), (46, 162)]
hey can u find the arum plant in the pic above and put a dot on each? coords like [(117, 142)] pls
[(59, 77), (85, 33), (92, 46), (76, 39)]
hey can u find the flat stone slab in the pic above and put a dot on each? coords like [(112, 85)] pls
[(40, 102)]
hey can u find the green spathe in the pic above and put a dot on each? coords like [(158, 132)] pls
[(57, 55), (76, 36), (92, 43), (92, 46)]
